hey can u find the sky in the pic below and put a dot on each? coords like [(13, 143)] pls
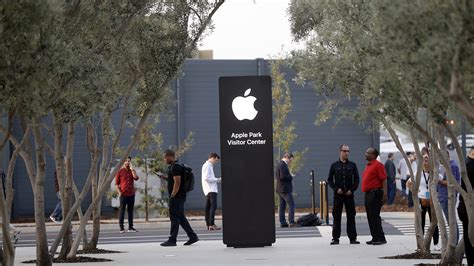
[(249, 29)]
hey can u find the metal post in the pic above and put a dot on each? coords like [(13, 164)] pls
[(146, 189), (323, 201), (326, 207), (313, 197), (463, 136)]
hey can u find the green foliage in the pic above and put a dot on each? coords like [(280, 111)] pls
[(388, 55), (151, 150), (283, 132)]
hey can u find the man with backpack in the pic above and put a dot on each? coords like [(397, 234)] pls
[(178, 184)]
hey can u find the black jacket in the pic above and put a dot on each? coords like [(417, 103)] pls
[(470, 175), (343, 176), (391, 170), (284, 178)]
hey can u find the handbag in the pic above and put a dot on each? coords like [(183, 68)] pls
[(425, 202)]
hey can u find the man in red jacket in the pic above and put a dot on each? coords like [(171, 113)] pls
[(372, 184), (124, 182)]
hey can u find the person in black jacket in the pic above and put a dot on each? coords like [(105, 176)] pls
[(284, 189), (462, 212), (391, 171), (343, 179)]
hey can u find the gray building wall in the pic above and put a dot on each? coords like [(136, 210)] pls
[(196, 110)]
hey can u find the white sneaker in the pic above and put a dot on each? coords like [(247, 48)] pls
[(437, 247), (55, 221), (132, 230)]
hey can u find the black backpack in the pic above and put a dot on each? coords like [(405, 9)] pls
[(188, 178)]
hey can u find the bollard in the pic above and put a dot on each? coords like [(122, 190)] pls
[(313, 197), (323, 201)]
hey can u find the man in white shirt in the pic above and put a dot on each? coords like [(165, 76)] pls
[(404, 172), (209, 187)]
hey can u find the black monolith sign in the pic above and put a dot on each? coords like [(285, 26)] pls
[(246, 138)]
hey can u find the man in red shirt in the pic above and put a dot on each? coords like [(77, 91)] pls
[(126, 190), (372, 184)]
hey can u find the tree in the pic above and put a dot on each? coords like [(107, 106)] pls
[(50, 55), (389, 56), (283, 131)]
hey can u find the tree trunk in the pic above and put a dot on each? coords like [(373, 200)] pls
[(68, 191), (95, 227), (422, 245), (105, 185), (8, 254), (42, 255), (417, 223)]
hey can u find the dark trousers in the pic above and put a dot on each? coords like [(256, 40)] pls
[(286, 198), (128, 202), (177, 218), (391, 191), (425, 210), (373, 205), (211, 206), (468, 248), (348, 202)]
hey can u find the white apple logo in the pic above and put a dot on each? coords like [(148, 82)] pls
[(243, 106)]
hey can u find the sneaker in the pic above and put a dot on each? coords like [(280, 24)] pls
[(56, 221), (370, 242), (354, 242), (132, 230), (213, 227), (122, 230), (335, 242), (16, 236), (437, 247), (168, 244), (284, 225), (381, 242), (191, 241)]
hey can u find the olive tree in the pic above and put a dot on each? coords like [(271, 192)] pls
[(391, 57)]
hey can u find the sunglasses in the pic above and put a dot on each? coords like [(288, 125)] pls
[(345, 150)]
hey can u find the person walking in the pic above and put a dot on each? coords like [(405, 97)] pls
[(391, 181), (177, 196), (343, 178), (57, 215), (124, 183), (443, 191), (284, 189), (209, 187), (462, 212), (372, 184)]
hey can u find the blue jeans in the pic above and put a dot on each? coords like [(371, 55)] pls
[(58, 212), (391, 191), (444, 205), (286, 198)]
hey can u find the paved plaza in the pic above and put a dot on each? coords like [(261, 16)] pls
[(294, 246)]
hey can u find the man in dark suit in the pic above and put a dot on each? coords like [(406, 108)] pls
[(284, 189)]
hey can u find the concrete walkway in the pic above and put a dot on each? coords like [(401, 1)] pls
[(286, 251)]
